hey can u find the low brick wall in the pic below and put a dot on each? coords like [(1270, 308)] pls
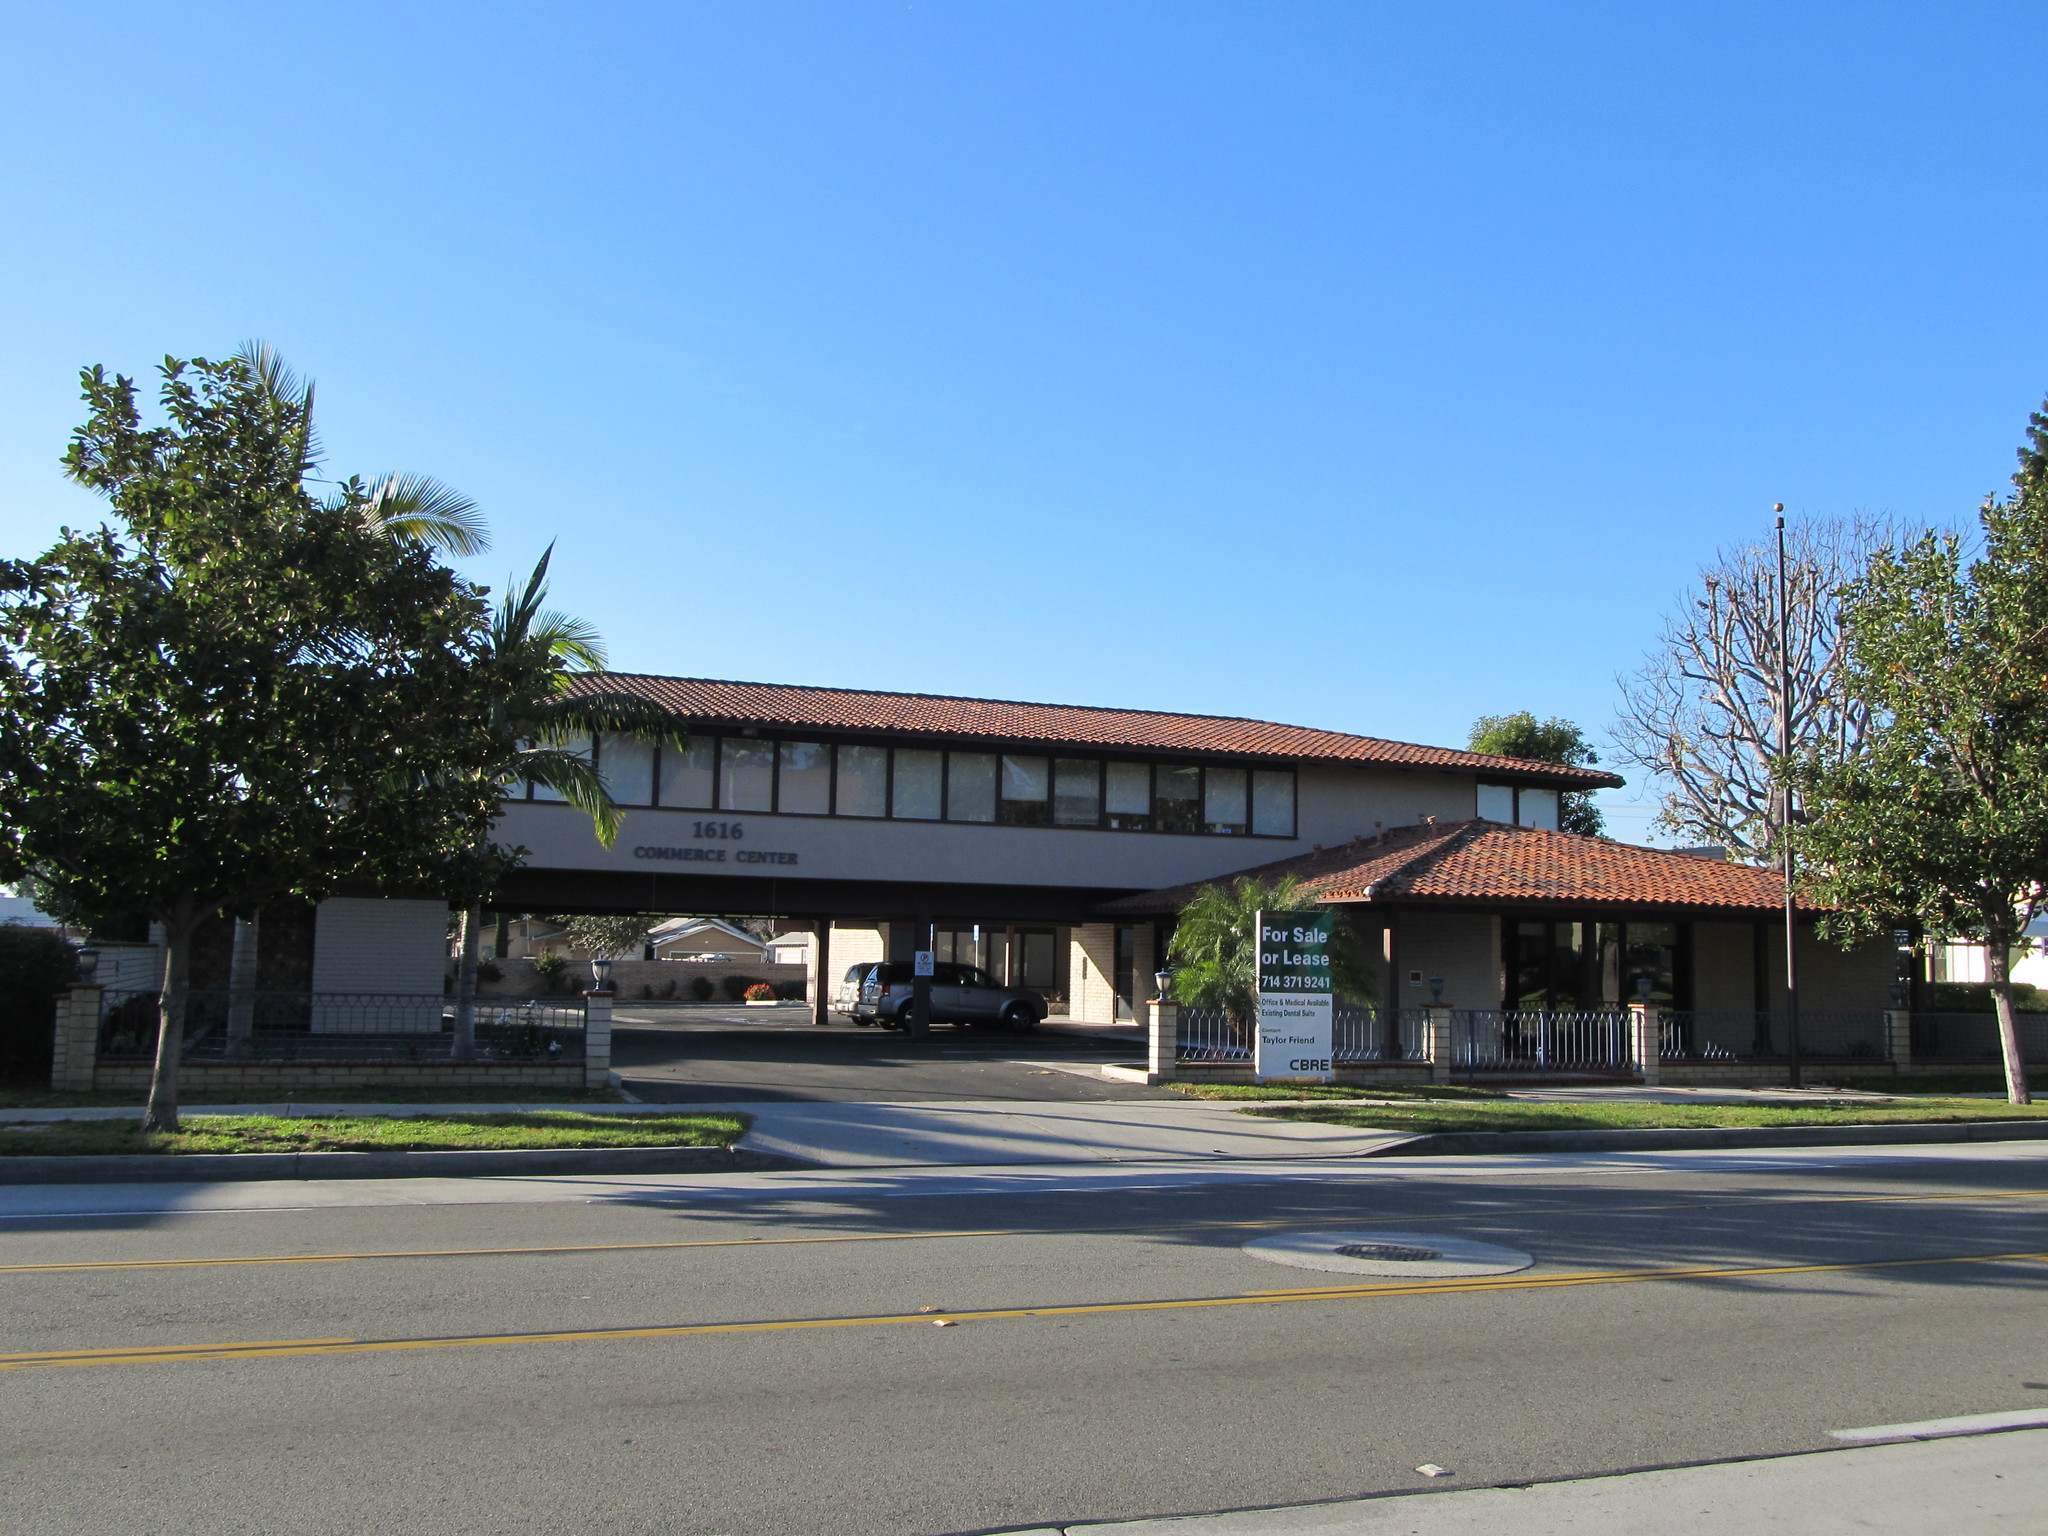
[(629, 976), (259, 1080), (1393, 1074)]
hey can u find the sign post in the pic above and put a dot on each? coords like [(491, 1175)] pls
[(923, 967), (1295, 998)]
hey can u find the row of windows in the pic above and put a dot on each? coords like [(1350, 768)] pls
[(816, 778)]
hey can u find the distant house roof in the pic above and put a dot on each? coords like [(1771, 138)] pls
[(682, 927), (713, 703), (1487, 863)]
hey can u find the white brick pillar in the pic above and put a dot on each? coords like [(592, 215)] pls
[(1646, 1040), (1436, 1035), (77, 1043), (1898, 1032), (1091, 973), (597, 1039), (1162, 1040)]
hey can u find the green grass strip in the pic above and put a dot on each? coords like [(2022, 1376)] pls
[(374, 1133)]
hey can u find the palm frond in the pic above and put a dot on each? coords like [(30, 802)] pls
[(571, 775), (284, 388), (421, 507)]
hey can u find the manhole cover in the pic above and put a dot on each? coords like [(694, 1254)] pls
[(1393, 1253), (1407, 1255)]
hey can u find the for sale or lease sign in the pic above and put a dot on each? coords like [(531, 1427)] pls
[(1296, 1000)]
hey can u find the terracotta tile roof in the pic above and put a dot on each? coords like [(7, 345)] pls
[(1485, 862), (715, 702)]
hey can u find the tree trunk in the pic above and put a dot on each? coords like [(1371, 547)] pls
[(464, 1048), (1998, 971), (161, 1114), (242, 987)]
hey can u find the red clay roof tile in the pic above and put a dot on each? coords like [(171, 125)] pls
[(1487, 862), (716, 702)]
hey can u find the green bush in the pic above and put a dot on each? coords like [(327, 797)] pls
[(489, 970), (790, 991), (1975, 997), (700, 988), (736, 986), (35, 966)]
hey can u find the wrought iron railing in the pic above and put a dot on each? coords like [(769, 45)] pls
[(341, 1026), (1529, 1040), (1747, 1035), (1974, 1036)]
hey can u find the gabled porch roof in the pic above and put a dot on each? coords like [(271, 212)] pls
[(1493, 865)]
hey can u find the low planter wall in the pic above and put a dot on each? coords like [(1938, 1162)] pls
[(629, 976), (266, 1080)]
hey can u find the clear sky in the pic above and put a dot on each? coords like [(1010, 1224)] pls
[(1362, 366)]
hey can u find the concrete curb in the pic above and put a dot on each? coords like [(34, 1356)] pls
[(207, 1168), (1476, 1143)]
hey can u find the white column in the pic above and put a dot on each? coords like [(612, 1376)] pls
[(77, 1044), (597, 1039), (1437, 1041), (1162, 1040), (1646, 1040), (1898, 1029)]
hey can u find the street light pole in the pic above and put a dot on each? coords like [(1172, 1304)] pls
[(1785, 806)]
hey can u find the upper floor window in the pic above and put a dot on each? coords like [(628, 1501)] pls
[(757, 775), (1518, 806)]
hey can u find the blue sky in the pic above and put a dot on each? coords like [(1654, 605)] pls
[(1372, 367)]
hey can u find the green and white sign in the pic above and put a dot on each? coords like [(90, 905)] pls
[(1296, 1000)]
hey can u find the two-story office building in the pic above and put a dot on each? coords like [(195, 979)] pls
[(1051, 845), (997, 828)]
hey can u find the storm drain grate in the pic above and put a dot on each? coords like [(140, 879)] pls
[(1390, 1253)]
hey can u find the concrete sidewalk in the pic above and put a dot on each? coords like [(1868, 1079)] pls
[(842, 1135), (1987, 1483)]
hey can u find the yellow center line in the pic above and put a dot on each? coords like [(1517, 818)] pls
[(1502, 1218), (141, 1355)]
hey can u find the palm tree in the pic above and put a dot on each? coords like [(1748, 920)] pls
[(404, 506), (537, 725), (1215, 949)]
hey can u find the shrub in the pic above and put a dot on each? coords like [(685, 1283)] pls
[(760, 992), (668, 988), (35, 966), (489, 970), (1975, 997), (790, 991), (736, 986), (700, 988), (646, 991), (549, 969)]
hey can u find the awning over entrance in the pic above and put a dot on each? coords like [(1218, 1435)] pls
[(1492, 865)]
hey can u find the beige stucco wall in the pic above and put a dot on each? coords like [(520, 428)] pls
[(1334, 805), (1722, 968), (1091, 973), (1461, 947)]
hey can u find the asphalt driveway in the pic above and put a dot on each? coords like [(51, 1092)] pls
[(741, 1055)]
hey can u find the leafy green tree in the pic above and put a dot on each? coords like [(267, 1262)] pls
[(1555, 740), (1215, 947), (1941, 816), (241, 692), (607, 937)]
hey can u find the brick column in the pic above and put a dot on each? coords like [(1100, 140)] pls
[(1436, 1042), (1646, 1040), (77, 1043), (1898, 1033), (1162, 1040), (597, 1039)]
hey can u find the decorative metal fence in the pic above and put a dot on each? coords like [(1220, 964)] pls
[(340, 1026), (1526, 1040), (1963, 1037), (1207, 1035), (1380, 1034), (1359, 1035), (1746, 1035)]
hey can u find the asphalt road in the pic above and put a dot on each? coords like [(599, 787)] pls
[(1838, 1301), (694, 1057)]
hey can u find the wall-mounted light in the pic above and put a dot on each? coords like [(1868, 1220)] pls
[(1162, 985), (1436, 989)]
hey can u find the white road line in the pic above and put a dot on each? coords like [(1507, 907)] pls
[(1942, 1429)]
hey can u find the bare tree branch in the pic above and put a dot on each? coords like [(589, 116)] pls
[(1702, 714)]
